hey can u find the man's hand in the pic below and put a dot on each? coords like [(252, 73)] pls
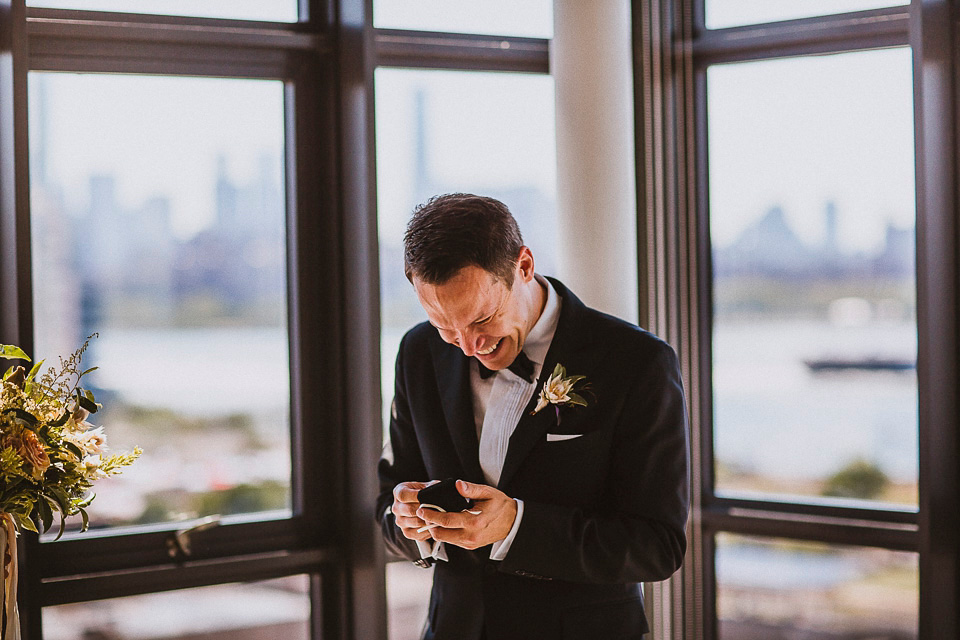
[(405, 507), (497, 513)]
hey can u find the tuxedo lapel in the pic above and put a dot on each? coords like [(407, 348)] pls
[(567, 340), (453, 380)]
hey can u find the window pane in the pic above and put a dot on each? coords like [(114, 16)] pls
[(158, 221), (812, 221), (441, 132), (529, 18), (271, 10), (784, 589), (735, 13), (277, 608)]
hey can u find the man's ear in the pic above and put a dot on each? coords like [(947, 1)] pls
[(525, 264)]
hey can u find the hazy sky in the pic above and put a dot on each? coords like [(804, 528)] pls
[(527, 18), (731, 13), (530, 18), (158, 136), (278, 10), (484, 130), (795, 132), (799, 132)]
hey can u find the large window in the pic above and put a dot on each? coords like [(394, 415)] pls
[(153, 200), (456, 126), (814, 312), (159, 223), (796, 263), (199, 184)]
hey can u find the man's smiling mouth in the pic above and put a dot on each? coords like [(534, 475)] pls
[(486, 352)]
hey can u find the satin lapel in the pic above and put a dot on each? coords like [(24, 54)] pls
[(531, 427), (453, 380)]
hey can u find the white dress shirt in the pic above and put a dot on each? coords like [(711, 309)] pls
[(498, 404)]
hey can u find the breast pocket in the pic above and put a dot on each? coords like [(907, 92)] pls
[(560, 437)]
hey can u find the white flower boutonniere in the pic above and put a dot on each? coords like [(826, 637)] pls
[(559, 390)]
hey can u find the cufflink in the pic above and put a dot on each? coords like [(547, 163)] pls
[(424, 563)]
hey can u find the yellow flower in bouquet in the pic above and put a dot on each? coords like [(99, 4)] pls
[(50, 455)]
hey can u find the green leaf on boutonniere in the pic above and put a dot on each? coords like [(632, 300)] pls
[(576, 399), (558, 390)]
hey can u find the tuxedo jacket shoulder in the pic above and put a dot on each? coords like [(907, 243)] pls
[(604, 486)]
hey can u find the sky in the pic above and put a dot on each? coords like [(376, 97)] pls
[(799, 132), (794, 133), (732, 13), (159, 136), (483, 130), (527, 18)]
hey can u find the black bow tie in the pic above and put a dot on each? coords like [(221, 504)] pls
[(522, 366)]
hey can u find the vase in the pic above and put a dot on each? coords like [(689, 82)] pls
[(8, 554)]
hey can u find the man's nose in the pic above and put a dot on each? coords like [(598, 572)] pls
[(469, 342)]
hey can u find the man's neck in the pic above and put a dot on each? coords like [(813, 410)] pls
[(538, 301)]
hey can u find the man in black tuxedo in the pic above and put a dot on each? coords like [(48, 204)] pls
[(580, 490)]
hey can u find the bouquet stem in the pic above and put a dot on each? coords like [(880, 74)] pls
[(8, 553)]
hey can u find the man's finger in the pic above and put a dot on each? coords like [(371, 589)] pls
[(446, 520), (406, 509), (475, 491), (407, 491), (409, 523), (457, 537), (413, 534)]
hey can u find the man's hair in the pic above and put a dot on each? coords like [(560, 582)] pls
[(457, 230)]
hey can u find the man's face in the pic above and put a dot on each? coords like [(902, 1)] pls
[(477, 312)]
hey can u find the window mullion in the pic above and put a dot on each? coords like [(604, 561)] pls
[(810, 36)]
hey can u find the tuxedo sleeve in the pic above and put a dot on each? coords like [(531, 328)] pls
[(636, 533), (401, 462)]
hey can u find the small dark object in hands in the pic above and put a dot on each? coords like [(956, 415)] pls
[(443, 496)]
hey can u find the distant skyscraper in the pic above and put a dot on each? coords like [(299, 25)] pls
[(831, 244)]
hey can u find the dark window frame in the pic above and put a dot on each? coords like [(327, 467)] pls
[(673, 46), (326, 62)]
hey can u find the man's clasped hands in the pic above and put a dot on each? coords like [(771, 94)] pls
[(489, 520)]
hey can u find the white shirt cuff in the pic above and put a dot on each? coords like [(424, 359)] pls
[(432, 549), (502, 547)]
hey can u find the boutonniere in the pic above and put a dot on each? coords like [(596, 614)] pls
[(560, 390)]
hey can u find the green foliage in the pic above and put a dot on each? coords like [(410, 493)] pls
[(13, 352), (243, 498), (50, 456), (268, 495), (859, 479)]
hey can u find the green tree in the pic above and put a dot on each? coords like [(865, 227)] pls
[(859, 479)]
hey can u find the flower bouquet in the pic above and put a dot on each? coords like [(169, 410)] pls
[(50, 457)]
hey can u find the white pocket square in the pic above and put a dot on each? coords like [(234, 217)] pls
[(558, 437)]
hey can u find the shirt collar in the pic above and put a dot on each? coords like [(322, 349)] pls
[(541, 335)]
